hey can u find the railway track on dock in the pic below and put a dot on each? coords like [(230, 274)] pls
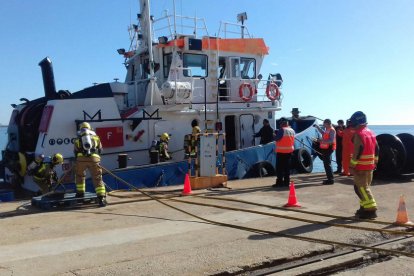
[(163, 201), (177, 199), (341, 255)]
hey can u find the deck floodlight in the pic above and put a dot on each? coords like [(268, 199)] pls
[(121, 51), (163, 40), (241, 17)]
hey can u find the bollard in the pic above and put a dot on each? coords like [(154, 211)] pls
[(154, 157), (122, 160)]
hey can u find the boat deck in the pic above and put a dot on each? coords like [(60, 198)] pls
[(138, 235)]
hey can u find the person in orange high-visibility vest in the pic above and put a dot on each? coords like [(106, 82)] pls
[(347, 147), (363, 163), (327, 146), (285, 144)]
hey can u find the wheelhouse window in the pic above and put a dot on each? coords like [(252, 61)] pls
[(166, 64), (248, 68), (196, 65)]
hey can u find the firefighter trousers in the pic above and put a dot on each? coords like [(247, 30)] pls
[(362, 183), (92, 164)]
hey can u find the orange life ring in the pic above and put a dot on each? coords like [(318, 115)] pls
[(272, 91), (241, 94)]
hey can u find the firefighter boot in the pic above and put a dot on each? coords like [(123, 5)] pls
[(102, 201)]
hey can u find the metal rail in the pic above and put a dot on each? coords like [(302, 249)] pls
[(263, 231)]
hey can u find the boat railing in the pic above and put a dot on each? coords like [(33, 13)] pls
[(258, 85), (233, 29), (183, 95), (181, 25)]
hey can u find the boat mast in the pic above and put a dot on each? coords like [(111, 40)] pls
[(146, 25)]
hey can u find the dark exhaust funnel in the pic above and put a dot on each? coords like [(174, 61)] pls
[(48, 78)]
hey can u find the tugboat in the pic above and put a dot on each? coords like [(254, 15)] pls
[(172, 80)]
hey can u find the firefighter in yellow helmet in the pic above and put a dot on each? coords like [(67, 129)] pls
[(163, 147), (194, 136), (87, 149), (43, 172)]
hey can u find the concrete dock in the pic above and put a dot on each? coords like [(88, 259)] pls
[(134, 235)]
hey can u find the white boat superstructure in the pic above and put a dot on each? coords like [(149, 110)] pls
[(172, 79)]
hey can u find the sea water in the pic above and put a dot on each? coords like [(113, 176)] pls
[(317, 166)]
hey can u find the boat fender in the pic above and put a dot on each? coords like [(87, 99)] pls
[(408, 140), (392, 155), (22, 164), (273, 92), (302, 160), (241, 89)]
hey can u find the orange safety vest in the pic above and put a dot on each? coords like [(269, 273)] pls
[(287, 143), (325, 138), (366, 161)]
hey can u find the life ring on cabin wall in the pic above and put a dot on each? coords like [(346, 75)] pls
[(241, 89), (272, 91)]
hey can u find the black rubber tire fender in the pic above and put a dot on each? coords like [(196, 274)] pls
[(392, 155), (302, 160), (408, 141)]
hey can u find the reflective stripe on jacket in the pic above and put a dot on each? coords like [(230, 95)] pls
[(40, 173), (325, 143), (287, 143), (366, 160)]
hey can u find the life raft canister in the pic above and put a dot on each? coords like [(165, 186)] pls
[(241, 94), (272, 91)]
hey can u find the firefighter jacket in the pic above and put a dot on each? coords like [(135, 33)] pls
[(366, 150), (44, 172)]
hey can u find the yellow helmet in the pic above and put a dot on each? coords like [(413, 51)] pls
[(165, 136), (57, 159), (85, 125)]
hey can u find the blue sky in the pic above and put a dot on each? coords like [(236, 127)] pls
[(336, 57)]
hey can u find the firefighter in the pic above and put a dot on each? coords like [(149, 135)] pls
[(326, 148), (363, 162), (87, 149), (194, 136), (285, 141), (163, 147), (44, 174)]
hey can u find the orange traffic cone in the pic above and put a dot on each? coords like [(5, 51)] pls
[(187, 185), (402, 215), (292, 200)]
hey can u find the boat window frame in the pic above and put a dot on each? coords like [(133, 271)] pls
[(251, 62), (186, 72), (166, 63), (235, 67)]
